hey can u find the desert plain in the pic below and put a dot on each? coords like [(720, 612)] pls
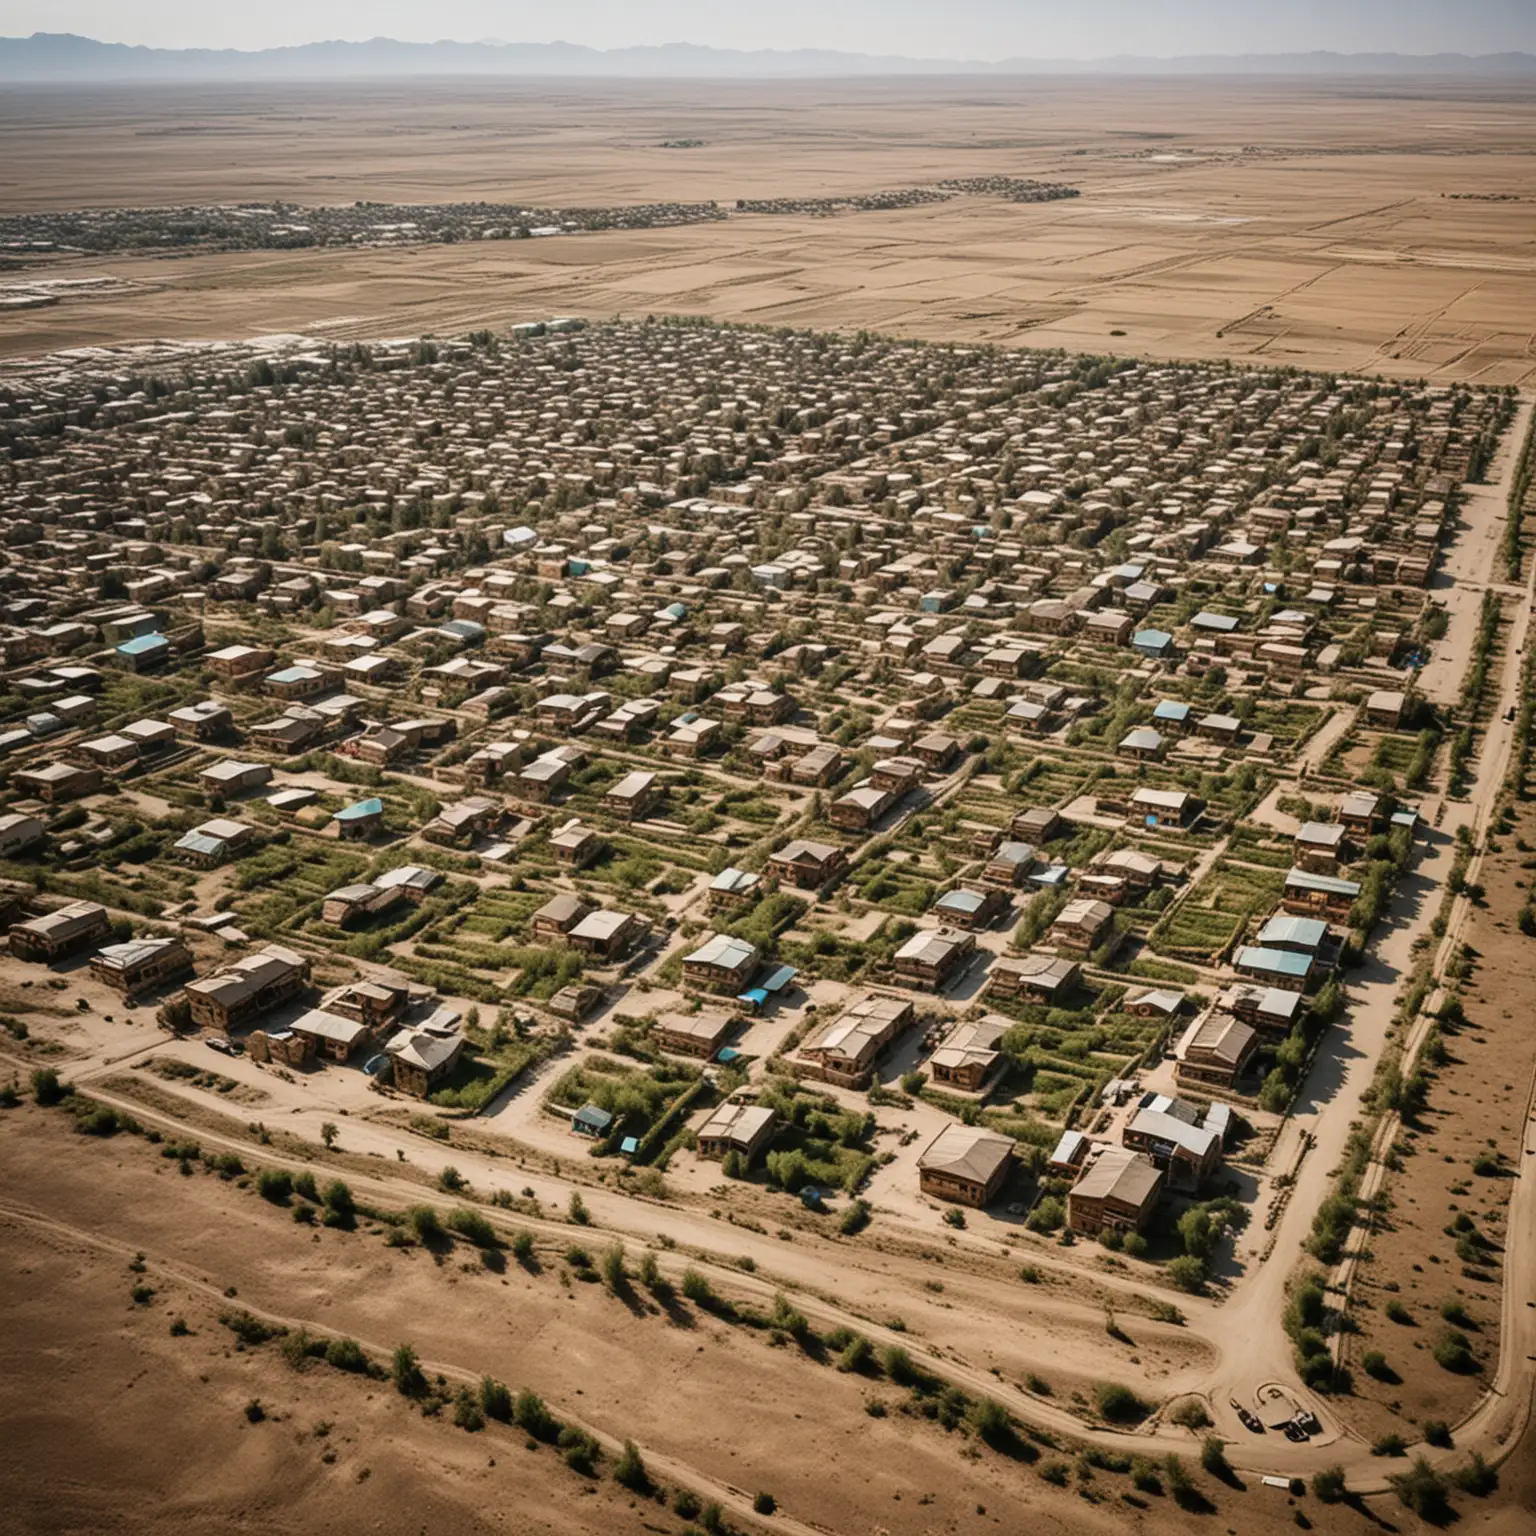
[(173, 1300)]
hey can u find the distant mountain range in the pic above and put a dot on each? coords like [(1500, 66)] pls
[(61, 57)]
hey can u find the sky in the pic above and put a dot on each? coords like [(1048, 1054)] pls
[(973, 29)]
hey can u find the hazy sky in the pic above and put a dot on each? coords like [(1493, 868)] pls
[(981, 29)]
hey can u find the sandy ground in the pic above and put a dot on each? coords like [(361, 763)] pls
[(1332, 225), (1478, 1102), (714, 1408)]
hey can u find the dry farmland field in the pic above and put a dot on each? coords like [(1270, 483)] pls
[(768, 809), (1365, 226)]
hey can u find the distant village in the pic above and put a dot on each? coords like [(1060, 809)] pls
[(927, 776)]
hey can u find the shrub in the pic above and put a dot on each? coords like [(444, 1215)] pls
[(855, 1218), (1476, 1477), (1134, 1244), (990, 1420), (1190, 1414), (1398, 1313), (472, 1226), (46, 1087), (426, 1225), (580, 1450), (1453, 1352), (1144, 1476), (1118, 1404), (522, 1246), (629, 1470), (1390, 1444), (697, 1289), (1213, 1456), (142, 1294), (764, 1504), (1187, 1272), (685, 1503), (254, 1412), (1422, 1490), (1328, 1484), (1374, 1364), (648, 1270), (338, 1201), (406, 1373), (1047, 1215), (467, 1413), (1056, 1472), (1438, 1432), (857, 1354), (495, 1400), (578, 1209), (346, 1355), (274, 1184), (614, 1273), (304, 1184), (532, 1417), (897, 1364)]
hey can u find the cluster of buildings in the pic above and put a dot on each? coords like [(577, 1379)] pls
[(741, 604)]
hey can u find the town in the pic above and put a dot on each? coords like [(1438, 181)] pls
[(916, 779)]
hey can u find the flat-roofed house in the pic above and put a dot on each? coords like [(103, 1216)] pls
[(201, 721), (932, 956), (348, 903), (693, 1034), (861, 807), (1330, 895), (216, 840), (1319, 846), (243, 990), (970, 906), (558, 916), (19, 834), (1358, 811), (969, 1055), (605, 935), (238, 661), (966, 1164), (234, 778), (1169, 1132), (421, 1058), (1036, 978), (1008, 865), (544, 778), (54, 782), (723, 964), (138, 964), (743, 1128), (414, 880), (465, 820), (734, 890), (1082, 926), (1273, 1011), (329, 1034), (809, 865), (360, 820), (110, 751), (576, 846), (845, 1049), (1117, 1192), (1385, 708), (1143, 744), (1282, 968), (1163, 807), (79, 925), (633, 797), (1215, 1051)]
